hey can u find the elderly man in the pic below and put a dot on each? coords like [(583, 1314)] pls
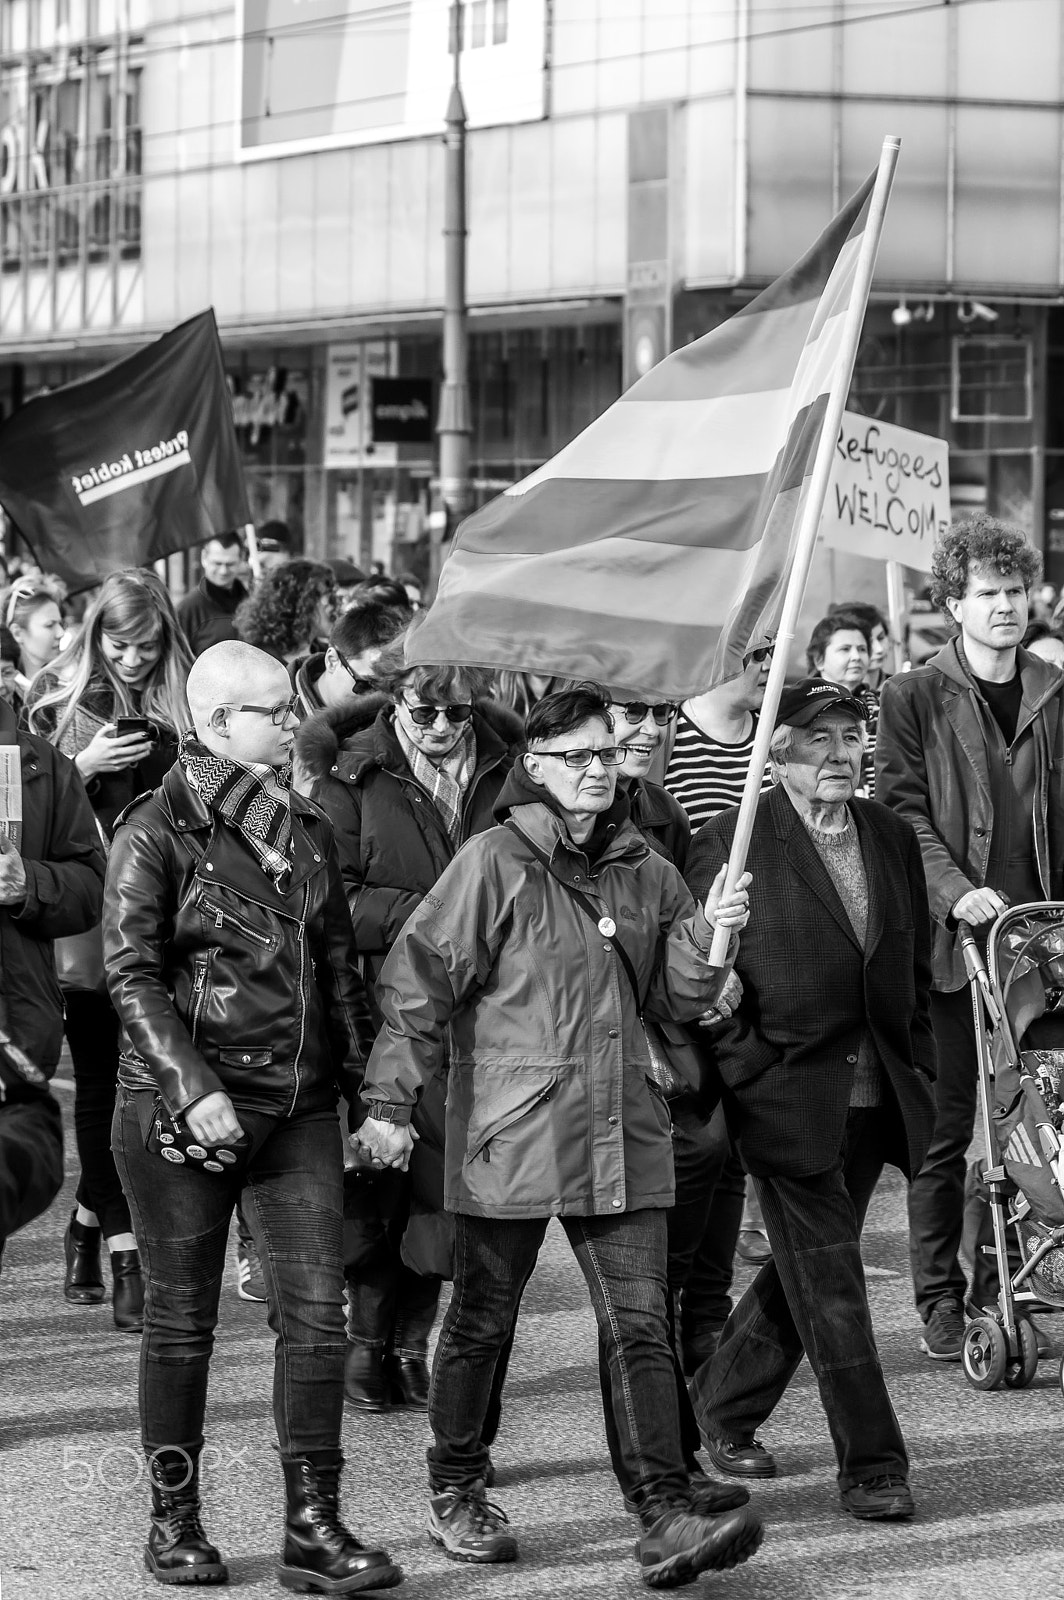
[(827, 1066), (231, 964), (540, 948)]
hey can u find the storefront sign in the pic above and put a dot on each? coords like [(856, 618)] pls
[(889, 493), (402, 410), (350, 373)]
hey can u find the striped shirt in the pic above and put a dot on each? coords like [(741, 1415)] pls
[(706, 776)]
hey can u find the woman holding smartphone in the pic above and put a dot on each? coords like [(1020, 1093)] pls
[(113, 701)]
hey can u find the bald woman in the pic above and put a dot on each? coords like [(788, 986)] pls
[(231, 964)]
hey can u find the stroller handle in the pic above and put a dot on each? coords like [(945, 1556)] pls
[(973, 961)]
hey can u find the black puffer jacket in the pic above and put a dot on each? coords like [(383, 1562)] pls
[(64, 863), (391, 841), (220, 980)]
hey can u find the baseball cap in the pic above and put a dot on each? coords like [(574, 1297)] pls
[(802, 701)]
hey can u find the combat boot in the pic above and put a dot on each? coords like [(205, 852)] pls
[(178, 1550), (320, 1555)]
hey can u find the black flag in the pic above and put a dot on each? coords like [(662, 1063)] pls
[(129, 465)]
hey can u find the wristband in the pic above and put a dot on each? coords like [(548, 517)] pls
[(381, 1111)]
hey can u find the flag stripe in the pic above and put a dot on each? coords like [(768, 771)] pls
[(753, 352)]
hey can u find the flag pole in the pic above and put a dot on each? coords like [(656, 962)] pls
[(806, 541), (896, 611), (254, 561)]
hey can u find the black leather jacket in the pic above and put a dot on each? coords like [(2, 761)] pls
[(220, 980)]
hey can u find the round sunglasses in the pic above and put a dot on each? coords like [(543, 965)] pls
[(425, 716)]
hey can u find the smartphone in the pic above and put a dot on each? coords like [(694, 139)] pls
[(126, 726)]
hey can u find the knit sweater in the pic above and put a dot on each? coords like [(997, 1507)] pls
[(841, 855)]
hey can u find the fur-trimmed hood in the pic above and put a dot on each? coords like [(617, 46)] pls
[(347, 743)]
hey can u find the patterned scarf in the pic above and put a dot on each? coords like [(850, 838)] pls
[(447, 783), (239, 797)]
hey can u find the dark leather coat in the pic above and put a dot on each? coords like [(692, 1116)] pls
[(220, 980), (933, 769)]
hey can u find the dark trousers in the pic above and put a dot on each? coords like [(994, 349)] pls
[(811, 1298), (92, 1034), (31, 1160), (391, 1307), (292, 1193), (623, 1262), (703, 1227), (936, 1195)]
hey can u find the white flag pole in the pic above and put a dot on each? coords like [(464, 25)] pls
[(254, 560), (896, 611), (806, 541)]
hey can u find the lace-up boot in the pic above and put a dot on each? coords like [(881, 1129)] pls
[(178, 1550), (320, 1555), (469, 1526)]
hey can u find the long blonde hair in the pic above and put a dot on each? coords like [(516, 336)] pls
[(131, 606)]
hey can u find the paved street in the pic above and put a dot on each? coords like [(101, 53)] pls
[(987, 1468)]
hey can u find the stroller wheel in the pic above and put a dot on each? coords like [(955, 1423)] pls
[(985, 1353), (1019, 1373)]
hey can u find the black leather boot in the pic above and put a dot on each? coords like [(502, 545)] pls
[(410, 1381), (127, 1294), (320, 1555), (83, 1283), (366, 1384), (178, 1550)]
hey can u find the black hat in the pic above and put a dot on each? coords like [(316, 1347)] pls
[(345, 572), (802, 701)]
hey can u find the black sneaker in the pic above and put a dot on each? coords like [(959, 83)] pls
[(943, 1338), (750, 1460), (884, 1499), (469, 1526), (680, 1545)]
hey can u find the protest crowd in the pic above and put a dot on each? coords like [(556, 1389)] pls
[(382, 965)]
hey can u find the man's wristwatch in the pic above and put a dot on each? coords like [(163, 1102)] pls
[(381, 1111)]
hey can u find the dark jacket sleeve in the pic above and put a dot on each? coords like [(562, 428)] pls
[(349, 1018), (378, 911), (902, 784), (138, 908), (64, 888)]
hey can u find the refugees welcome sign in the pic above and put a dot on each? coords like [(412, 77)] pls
[(889, 493), (129, 465)]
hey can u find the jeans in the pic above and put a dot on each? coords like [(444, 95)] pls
[(291, 1189), (392, 1308), (936, 1194), (623, 1262), (92, 1034), (811, 1298)]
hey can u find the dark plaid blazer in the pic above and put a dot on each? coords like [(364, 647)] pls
[(786, 1058)]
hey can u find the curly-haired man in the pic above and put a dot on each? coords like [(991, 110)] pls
[(971, 752)]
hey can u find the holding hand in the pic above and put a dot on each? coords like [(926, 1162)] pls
[(728, 910), (979, 906), (106, 753), (388, 1144), (213, 1120), (12, 874)]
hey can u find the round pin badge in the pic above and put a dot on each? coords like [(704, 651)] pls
[(197, 1152), (607, 927), (166, 1138), (176, 1156), (213, 1166), (228, 1156)]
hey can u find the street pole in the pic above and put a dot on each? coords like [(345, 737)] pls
[(453, 427)]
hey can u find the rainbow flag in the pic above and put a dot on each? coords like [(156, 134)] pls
[(679, 504)]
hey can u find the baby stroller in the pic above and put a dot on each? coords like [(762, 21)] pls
[(1018, 998)]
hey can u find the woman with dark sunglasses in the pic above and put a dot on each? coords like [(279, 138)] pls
[(406, 776)]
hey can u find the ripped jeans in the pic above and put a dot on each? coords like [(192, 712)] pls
[(292, 1192), (623, 1262)]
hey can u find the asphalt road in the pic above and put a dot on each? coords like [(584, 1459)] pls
[(988, 1469)]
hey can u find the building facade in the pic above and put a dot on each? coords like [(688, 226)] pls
[(636, 171)]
